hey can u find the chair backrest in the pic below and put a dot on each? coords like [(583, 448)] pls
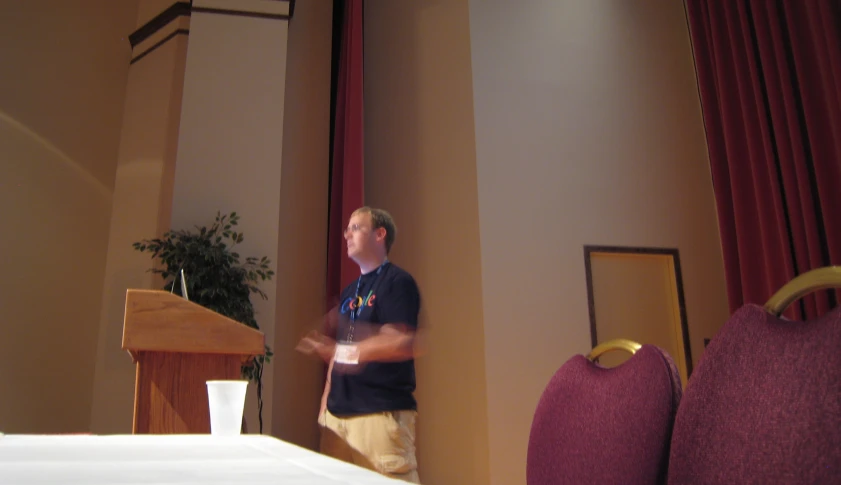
[(605, 425), (763, 405)]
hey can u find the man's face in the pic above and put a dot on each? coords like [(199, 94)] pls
[(360, 235)]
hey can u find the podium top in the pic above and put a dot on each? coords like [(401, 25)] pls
[(159, 321)]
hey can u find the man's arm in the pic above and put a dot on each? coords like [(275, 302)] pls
[(392, 343), (395, 342), (322, 342)]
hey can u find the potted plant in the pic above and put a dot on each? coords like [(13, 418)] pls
[(216, 278)]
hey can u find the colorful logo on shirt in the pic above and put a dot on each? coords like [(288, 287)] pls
[(354, 303)]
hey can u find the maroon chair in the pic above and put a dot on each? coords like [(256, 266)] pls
[(763, 405), (605, 425)]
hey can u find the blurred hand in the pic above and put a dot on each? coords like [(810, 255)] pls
[(318, 345)]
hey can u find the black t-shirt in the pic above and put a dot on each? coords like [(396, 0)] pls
[(388, 295)]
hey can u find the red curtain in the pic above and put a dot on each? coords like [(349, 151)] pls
[(769, 75), (347, 180)]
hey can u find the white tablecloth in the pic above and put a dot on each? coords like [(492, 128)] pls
[(170, 459)]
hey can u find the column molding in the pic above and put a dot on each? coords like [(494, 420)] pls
[(173, 21), (268, 9)]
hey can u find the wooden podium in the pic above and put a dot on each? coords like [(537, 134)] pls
[(178, 346)]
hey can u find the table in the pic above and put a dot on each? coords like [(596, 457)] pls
[(171, 460)]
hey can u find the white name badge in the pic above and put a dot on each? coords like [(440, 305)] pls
[(346, 354)]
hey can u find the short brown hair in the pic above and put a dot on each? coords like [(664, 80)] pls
[(381, 218)]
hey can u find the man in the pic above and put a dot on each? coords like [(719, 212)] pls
[(368, 409)]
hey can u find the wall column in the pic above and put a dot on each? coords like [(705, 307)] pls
[(204, 132), (230, 142), (142, 195)]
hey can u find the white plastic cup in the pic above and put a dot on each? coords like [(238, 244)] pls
[(227, 402)]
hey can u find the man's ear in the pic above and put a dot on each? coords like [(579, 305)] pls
[(380, 233)]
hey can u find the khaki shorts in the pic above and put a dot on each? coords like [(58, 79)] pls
[(383, 442)]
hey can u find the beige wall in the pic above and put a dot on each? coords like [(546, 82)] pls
[(302, 245), (420, 164), (140, 209), (61, 100), (149, 9), (587, 131)]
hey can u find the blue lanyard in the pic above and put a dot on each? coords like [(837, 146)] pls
[(354, 314)]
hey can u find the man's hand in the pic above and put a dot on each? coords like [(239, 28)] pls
[(317, 344)]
